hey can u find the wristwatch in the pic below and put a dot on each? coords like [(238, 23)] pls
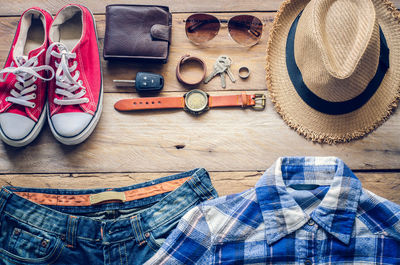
[(195, 102)]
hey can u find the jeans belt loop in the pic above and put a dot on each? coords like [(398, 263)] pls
[(72, 227), (4, 195), (138, 230), (198, 187)]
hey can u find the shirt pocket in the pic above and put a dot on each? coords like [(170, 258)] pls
[(22, 244)]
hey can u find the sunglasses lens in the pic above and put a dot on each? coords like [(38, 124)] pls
[(201, 27), (245, 30)]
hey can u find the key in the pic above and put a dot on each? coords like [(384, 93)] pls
[(230, 74), (227, 62), (144, 82), (224, 58), (218, 69), (223, 81)]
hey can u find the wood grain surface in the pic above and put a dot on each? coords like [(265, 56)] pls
[(225, 139), (235, 145), (16, 7)]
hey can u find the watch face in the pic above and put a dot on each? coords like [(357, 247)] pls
[(196, 101)]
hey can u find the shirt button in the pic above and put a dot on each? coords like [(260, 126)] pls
[(311, 222), (307, 262)]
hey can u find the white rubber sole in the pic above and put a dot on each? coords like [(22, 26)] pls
[(30, 137), (85, 133), (93, 123)]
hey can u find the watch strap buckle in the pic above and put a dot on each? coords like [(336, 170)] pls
[(259, 100)]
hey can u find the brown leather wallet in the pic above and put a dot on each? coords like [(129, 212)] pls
[(138, 32)]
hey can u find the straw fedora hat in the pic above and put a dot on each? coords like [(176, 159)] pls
[(333, 66)]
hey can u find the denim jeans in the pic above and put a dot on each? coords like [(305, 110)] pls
[(50, 226)]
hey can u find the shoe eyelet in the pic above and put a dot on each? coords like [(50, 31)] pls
[(84, 91), (33, 96), (80, 82), (35, 86), (33, 105), (77, 72), (7, 99)]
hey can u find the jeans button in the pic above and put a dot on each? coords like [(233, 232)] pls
[(17, 232), (307, 262), (147, 235), (311, 222)]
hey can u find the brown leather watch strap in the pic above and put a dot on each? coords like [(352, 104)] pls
[(242, 100), (187, 58), (150, 103)]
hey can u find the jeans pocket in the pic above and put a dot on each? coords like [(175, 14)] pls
[(23, 244)]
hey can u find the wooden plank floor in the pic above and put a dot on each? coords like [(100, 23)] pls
[(235, 145)]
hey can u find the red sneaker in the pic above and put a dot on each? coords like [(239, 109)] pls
[(76, 93), (23, 80)]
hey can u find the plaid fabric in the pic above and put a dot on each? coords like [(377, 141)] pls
[(303, 210)]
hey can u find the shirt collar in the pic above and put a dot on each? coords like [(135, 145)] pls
[(335, 213)]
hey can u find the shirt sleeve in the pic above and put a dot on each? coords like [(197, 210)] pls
[(189, 243)]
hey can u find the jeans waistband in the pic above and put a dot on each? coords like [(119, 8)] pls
[(168, 198)]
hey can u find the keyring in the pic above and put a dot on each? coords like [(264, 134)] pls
[(244, 72)]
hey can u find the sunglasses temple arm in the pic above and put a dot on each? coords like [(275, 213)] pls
[(198, 24), (193, 27), (254, 32)]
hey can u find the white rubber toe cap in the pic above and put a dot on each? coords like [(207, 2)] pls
[(70, 124), (15, 126)]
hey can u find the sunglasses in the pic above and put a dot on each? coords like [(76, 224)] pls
[(244, 29)]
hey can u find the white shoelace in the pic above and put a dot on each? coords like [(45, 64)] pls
[(65, 82), (26, 72)]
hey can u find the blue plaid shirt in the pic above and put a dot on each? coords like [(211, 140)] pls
[(303, 210)]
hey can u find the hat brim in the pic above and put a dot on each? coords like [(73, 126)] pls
[(315, 125)]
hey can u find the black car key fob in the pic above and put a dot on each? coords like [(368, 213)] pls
[(149, 82), (144, 82)]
